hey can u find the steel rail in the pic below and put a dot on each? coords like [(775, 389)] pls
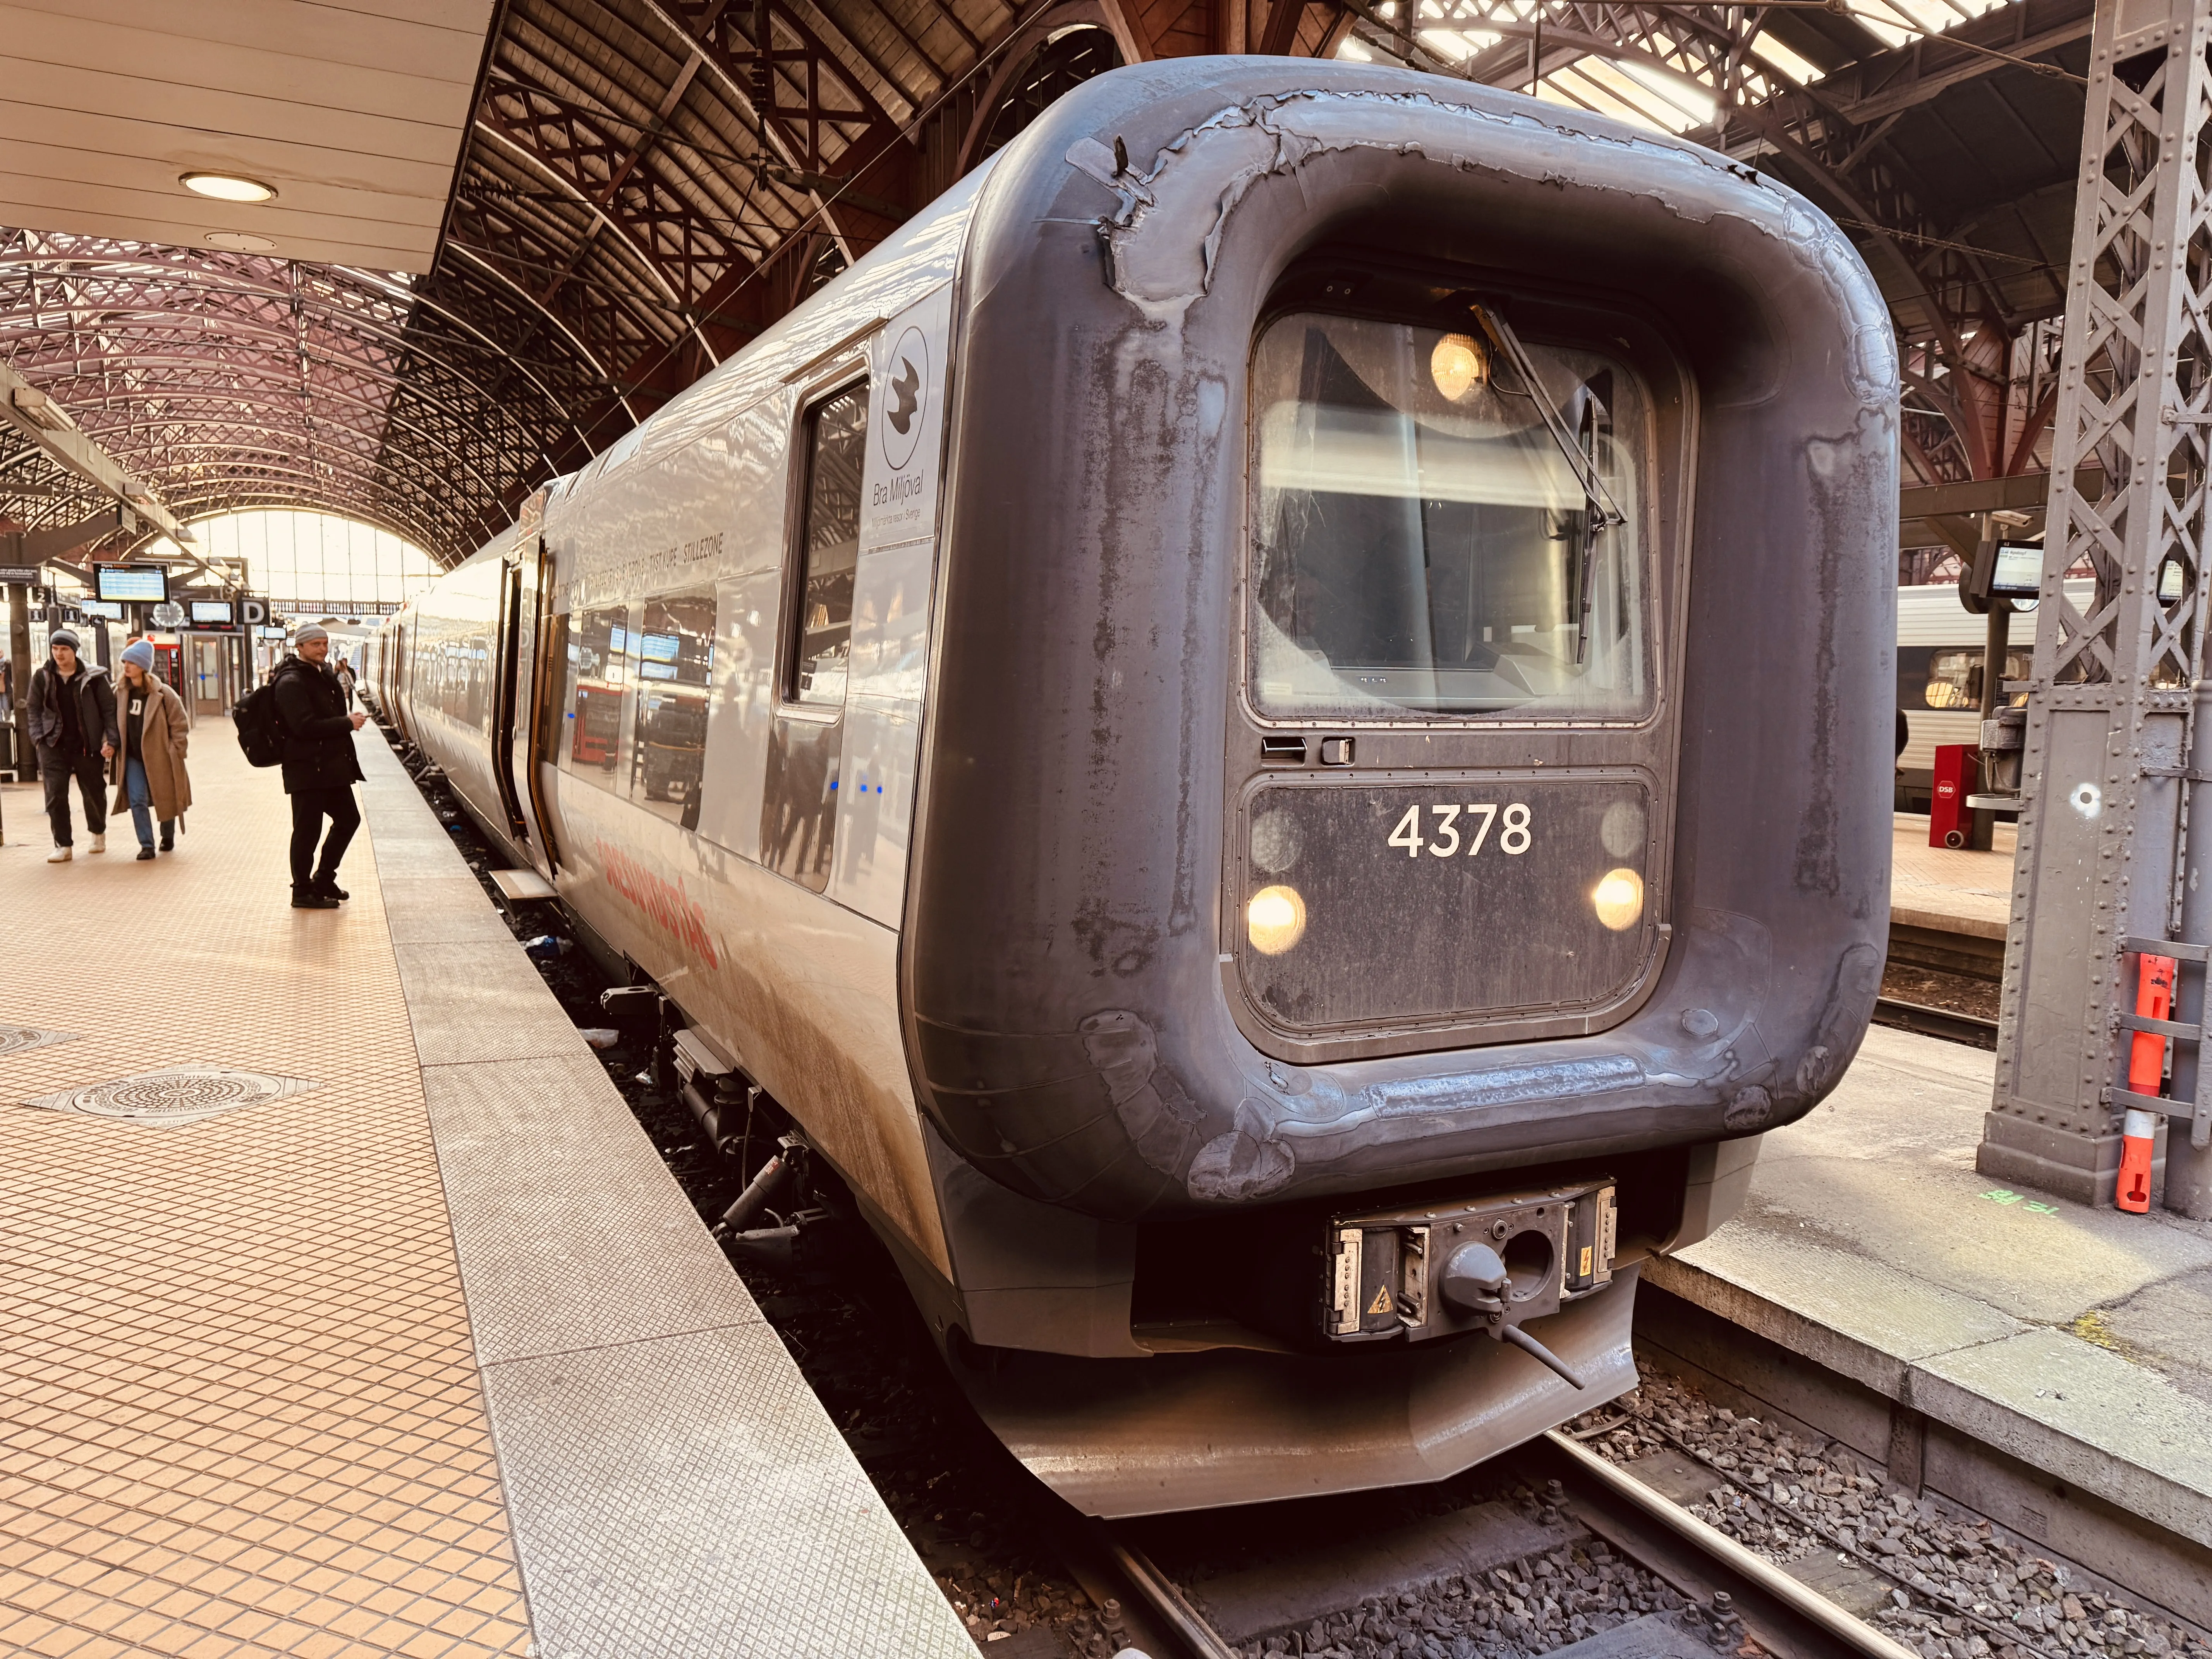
[(1945, 1023), (1787, 1618), (1164, 1599)]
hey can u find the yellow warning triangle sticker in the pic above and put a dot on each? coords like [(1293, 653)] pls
[(1381, 1302)]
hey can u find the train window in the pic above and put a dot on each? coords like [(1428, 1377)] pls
[(552, 708), (1424, 545), (1954, 678), (675, 678), (829, 547), (598, 665)]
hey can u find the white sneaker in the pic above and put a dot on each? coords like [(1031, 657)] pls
[(99, 844), (60, 855)]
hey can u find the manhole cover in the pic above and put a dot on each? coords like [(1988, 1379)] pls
[(183, 1094), (13, 1039)]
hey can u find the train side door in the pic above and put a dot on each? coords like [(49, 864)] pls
[(403, 657), (512, 643), (535, 686), (799, 805)]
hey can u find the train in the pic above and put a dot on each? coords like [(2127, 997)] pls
[(1941, 649), (1186, 718)]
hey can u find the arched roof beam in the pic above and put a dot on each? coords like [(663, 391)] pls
[(143, 359), (447, 314), (601, 216), (217, 329), (299, 435), (480, 262), (221, 280), (525, 242), (794, 131)]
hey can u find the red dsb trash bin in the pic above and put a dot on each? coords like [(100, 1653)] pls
[(1950, 822)]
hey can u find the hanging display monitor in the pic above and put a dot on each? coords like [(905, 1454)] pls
[(2019, 571), (110, 610), (215, 612), (141, 582)]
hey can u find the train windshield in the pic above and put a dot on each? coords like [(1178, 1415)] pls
[(1425, 545)]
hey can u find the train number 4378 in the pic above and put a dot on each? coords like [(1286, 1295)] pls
[(1449, 836)]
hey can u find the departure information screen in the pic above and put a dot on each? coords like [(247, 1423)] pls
[(133, 581)]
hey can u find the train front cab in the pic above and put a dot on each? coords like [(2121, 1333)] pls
[(1407, 756)]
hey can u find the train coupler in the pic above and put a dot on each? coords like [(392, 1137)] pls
[(1487, 1264)]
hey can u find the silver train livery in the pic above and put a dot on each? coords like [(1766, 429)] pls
[(1270, 725)]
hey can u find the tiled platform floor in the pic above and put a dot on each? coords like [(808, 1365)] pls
[(1935, 887), (238, 1410)]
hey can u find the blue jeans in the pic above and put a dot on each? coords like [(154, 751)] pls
[(142, 803)]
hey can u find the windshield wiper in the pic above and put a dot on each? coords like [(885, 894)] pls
[(1585, 466), (1601, 512)]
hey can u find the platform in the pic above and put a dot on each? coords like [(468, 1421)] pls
[(2077, 1341), (1947, 891), (349, 1311)]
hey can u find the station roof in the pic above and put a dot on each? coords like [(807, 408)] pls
[(503, 231)]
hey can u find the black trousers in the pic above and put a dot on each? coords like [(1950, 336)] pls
[(309, 808), (91, 774)]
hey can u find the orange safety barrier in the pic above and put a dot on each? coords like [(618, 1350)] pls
[(2153, 1000), (2136, 1135), (2146, 1076)]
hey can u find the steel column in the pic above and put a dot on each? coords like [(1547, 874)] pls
[(2111, 704)]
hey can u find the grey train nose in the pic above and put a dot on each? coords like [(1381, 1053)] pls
[(1160, 729)]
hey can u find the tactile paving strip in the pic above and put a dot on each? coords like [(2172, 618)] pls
[(553, 1262), (180, 1095), (239, 1414), (740, 1526), (674, 1485)]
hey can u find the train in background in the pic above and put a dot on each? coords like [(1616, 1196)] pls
[(1185, 718), (1940, 646)]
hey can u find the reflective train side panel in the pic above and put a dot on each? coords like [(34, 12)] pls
[(1186, 718)]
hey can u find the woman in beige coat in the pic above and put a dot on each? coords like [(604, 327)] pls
[(150, 766)]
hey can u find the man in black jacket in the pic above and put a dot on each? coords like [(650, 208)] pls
[(320, 767), (72, 710)]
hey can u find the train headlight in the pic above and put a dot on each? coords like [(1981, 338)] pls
[(1275, 920), (1457, 364), (1618, 899)]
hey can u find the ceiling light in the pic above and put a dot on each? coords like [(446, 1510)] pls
[(239, 241), (228, 187)]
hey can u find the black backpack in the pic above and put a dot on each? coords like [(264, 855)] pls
[(260, 728)]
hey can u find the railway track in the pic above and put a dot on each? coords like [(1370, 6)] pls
[(1034, 1580), (1947, 1024), (1727, 1599)]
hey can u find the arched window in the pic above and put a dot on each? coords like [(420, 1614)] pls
[(308, 564)]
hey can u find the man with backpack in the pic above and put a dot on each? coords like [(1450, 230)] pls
[(320, 767)]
